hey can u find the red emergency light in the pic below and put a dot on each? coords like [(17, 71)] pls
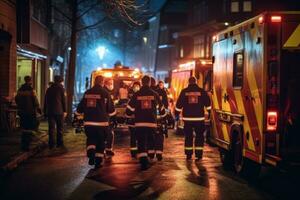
[(276, 19), (261, 19), (272, 119)]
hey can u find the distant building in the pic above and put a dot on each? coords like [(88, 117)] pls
[(173, 18), (32, 44), (206, 17)]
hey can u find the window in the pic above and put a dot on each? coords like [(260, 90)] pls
[(181, 52), (238, 69), (247, 6), (199, 46), (235, 6)]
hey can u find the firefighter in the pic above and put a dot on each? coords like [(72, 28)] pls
[(110, 135), (130, 120), (97, 107), (28, 107), (191, 102), (144, 105)]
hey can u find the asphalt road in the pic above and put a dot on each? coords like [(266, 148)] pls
[(56, 175)]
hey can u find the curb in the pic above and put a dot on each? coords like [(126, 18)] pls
[(23, 156)]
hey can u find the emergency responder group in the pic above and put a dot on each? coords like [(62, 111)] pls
[(147, 107)]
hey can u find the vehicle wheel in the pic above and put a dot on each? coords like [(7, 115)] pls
[(226, 158), (243, 166), (237, 147)]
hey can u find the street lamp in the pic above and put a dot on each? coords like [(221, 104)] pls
[(101, 52)]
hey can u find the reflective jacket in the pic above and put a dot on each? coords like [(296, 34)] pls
[(145, 105), (97, 107), (191, 102)]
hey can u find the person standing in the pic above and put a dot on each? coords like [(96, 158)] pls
[(191, 102), (55, 111), (97, 107), (28, 107), (110, 136), (130, 120), (144, 105)]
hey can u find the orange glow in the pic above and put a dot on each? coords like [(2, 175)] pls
[(261, 19), (275, 18), (272, 121), (187, 66), (214, 38)]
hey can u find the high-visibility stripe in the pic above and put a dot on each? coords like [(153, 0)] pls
[(198, 148), (208, 108), (188, 148), (193, 118), (108, 149), (151, 151), (294, 39), (158, 152), (91, 147), (99, 155), (163, 115), (145, 124), (129, 116), (113, 113), (178, 109), (92, 96), (133, 148), (130, 108), (95, 123), (140, 155)]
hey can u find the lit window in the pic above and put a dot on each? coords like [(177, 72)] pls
[(181, 52), (235, 6), (238, 69), (247, 6)]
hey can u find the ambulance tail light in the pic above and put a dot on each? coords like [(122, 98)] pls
[(276, 19), (272, 120)]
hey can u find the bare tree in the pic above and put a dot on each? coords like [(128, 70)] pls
[(74, 11)]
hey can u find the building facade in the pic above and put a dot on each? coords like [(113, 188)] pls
[(207, 17)]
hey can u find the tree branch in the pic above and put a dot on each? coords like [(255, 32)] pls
[(87, 10), (62, 13), (92, 25)]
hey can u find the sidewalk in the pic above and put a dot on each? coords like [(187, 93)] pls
[(11, 154)]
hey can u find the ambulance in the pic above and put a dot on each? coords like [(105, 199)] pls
[(254, 64)]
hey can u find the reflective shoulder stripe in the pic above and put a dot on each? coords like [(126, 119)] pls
[(130, 108), (178, 109), (133, 148), (198, 148), (208, 108), (188, 148), (95, 123), (146, 124), (193, 118), (113, 113)]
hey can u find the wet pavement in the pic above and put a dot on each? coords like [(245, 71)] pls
[(58, 175)]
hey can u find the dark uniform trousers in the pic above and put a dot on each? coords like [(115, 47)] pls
[(109, 139), (58, 121), (145, 140), (95, 141), (159, 142), (133, 141), (189, 128)]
